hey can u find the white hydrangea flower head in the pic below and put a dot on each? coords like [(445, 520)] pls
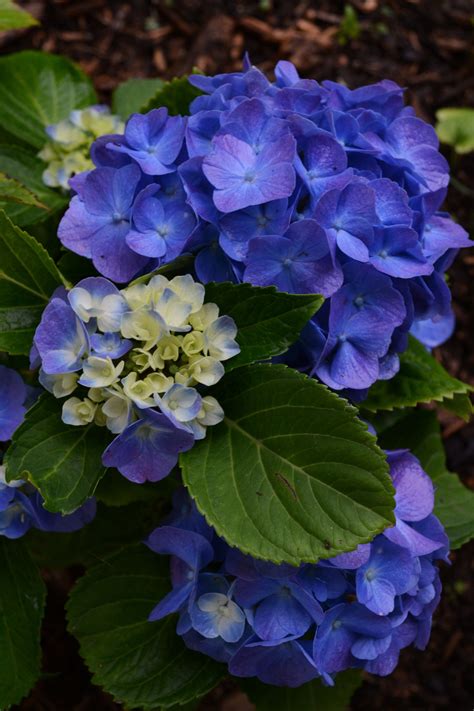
[(68, 150), (153, 344)]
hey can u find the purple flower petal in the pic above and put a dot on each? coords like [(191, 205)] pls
[(147, 450)]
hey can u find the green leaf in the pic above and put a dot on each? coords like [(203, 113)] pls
[(13, 191), (291, 474), (461, 405), (454, 503), (23, 166), (420, 379), (62, 461), (38, 89), (175, 95), (74, 267), (456, 127), (111, 528), (133, 95), (22, 595), (13, 17), (313, 696), (268, 321), (28, 277), (142, 664), (115, 490)]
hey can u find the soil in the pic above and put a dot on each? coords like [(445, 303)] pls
[(426, 46)]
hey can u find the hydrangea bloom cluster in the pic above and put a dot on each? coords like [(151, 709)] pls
[(288, 625), (20, 505), (309, 187), (68, 150), (136, 362)]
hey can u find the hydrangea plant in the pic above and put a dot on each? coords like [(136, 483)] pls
[(242, 297)]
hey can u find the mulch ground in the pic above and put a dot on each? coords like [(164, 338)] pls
[(426, 46)]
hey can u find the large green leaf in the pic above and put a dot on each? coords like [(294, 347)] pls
[(13, 17), (420, 379), (39, 89), (313, 696), (28, 277), (456, 127), (62, 461), (175, 95), (134, 95), (142, 664), (454, 503), (22, 595), (268, 321), (291, 474), (23, 166)]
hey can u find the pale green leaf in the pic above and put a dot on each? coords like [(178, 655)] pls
[(134, 95), (456, 127), (12, 17), (39, 89)]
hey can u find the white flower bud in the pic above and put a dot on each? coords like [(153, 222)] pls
[(78, 412)]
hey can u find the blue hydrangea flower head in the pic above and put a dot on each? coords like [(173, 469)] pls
[(305, 186), (287, 625)]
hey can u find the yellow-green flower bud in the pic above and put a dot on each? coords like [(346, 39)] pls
[(143, 360), (193, 343), (96, 395), (143, 325), (204, 317), (139, 391), (78, 412), (206, 370), (159, 382), (168, 348)]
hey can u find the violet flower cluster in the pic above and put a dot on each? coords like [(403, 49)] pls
[(21, 506), (136, 361), (309, 187), (288, 625)]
